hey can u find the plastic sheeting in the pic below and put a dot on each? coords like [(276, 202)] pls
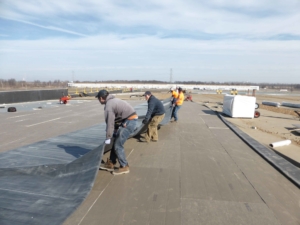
[(280, 143), (43, 183), (276, 104), (288, 104), (46, 194), (239, 106)]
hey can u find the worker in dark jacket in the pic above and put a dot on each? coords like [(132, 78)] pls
[(155, 114)]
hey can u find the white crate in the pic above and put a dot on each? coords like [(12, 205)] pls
[(239, 106)]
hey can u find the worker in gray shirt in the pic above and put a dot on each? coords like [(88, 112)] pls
[(117, 109)]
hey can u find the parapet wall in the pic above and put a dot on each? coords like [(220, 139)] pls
[(7, 97)]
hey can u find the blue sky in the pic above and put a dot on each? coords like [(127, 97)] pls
[(216, 40)]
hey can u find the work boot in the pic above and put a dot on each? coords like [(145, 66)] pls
[(144, 139), (108, 166), (121, 170)]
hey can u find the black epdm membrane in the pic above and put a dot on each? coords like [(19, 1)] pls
[(7, 97), (43, 183)]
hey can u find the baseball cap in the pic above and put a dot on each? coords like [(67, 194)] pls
[(147, 93), (102, 93)]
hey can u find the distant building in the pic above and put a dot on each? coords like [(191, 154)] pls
[(163, 86)]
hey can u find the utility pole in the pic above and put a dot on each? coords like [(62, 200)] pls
[(171, 78), (72, 76), (24, 81)]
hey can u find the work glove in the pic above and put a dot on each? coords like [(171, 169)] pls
[(107, 141), (144, 121)]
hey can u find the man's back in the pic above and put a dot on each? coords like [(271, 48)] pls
[(155, 107), (120, 108)]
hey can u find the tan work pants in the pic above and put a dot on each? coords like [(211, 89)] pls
[(152, 128)]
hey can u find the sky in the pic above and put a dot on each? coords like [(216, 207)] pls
[(165, 40)]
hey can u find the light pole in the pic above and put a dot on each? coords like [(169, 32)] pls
[(24, 81)]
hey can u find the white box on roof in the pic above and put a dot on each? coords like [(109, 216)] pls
[(239, 106)]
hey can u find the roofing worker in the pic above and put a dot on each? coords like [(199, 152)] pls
[(174, 95), (155, 113), (189, 97), (117, 109), (177, 104)]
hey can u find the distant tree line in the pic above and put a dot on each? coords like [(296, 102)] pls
[(12, 83)]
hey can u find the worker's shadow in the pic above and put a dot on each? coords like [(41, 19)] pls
[(140, 136), (76, 151), (209, 112)]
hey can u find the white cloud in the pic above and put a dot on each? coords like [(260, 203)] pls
[(113, 35), (212, 17), (110, 51)]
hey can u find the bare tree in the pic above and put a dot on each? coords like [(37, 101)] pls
[(12, 82)]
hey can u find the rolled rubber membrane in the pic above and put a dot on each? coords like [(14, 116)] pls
[(43, 183)]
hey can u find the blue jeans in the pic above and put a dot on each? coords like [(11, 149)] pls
[(122, 135), (174, 113)]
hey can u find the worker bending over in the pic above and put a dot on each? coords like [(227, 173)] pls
[(117, 109), (155, 113)]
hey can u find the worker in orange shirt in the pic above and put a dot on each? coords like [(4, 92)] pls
[(177, 105), (174, 95)]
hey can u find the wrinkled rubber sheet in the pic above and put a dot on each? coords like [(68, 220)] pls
[(43, 183)]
